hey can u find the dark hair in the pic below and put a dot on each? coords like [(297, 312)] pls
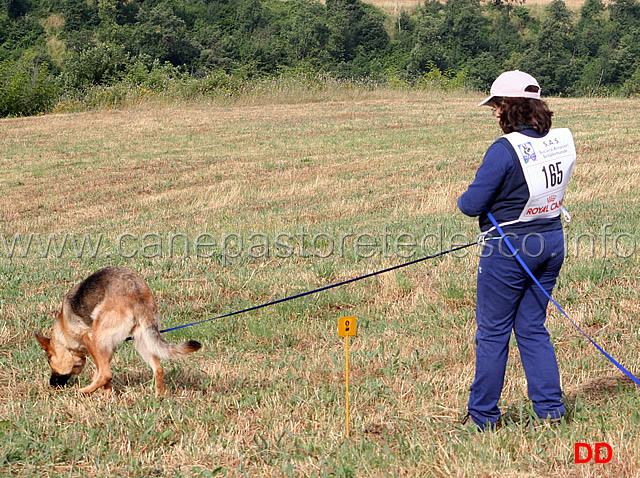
[(520, 113)]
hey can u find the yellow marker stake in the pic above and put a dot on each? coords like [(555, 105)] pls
[(346, 375), (346, 328)]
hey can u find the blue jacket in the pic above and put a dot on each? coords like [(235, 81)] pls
[(500, 188)]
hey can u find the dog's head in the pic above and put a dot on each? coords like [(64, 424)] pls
[(63, 361)]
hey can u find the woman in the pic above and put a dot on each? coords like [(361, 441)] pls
[(521, 182)]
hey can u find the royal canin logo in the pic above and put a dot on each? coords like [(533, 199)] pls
[(551, 198), (549, 207)]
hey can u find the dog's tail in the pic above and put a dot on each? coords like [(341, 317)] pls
[(149, 341)]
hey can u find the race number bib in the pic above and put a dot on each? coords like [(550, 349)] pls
[(547, 164)]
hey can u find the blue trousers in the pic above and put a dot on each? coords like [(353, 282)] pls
[(507, 299)]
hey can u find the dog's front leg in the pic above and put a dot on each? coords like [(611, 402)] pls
[(102, 360)]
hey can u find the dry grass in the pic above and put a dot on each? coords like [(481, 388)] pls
[(265, 396)]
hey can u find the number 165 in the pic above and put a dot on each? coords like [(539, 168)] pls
[(554, 176)]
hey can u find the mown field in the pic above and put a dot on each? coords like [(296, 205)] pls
[(221, 206)]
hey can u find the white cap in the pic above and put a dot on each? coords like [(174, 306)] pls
[(512, 84)]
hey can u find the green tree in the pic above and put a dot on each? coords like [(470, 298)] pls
[(78, 14), (26, 86), (107, 14), (625, 14), (503, 35), (307, 32), (550, 58), (17, 8), (593, 28), (160, 34), (429, 49), (464, 31), (99, 64), (631, 86), (482, 70), (354, 28), (20, 35)]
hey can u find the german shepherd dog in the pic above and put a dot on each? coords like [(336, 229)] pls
[(97, 315)]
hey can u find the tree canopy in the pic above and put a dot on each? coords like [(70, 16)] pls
[(76, 44)]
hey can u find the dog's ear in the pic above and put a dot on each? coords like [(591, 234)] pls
[(43, 341)]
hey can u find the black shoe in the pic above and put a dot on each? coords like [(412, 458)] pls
[(537, 422), (468, 423)]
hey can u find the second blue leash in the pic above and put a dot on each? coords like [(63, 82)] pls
[(528, 271)]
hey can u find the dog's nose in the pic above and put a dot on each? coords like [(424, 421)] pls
[(57, 380)]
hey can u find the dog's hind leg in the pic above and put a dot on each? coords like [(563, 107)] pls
[(146, 341), (102, 358), (154, 363), (158, 375)]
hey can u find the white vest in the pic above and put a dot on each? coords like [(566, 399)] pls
[(547, 164)]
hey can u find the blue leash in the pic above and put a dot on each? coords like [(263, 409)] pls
[(314, 291), (528, 271)]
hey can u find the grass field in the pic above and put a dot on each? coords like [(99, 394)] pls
[(226, 205)]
